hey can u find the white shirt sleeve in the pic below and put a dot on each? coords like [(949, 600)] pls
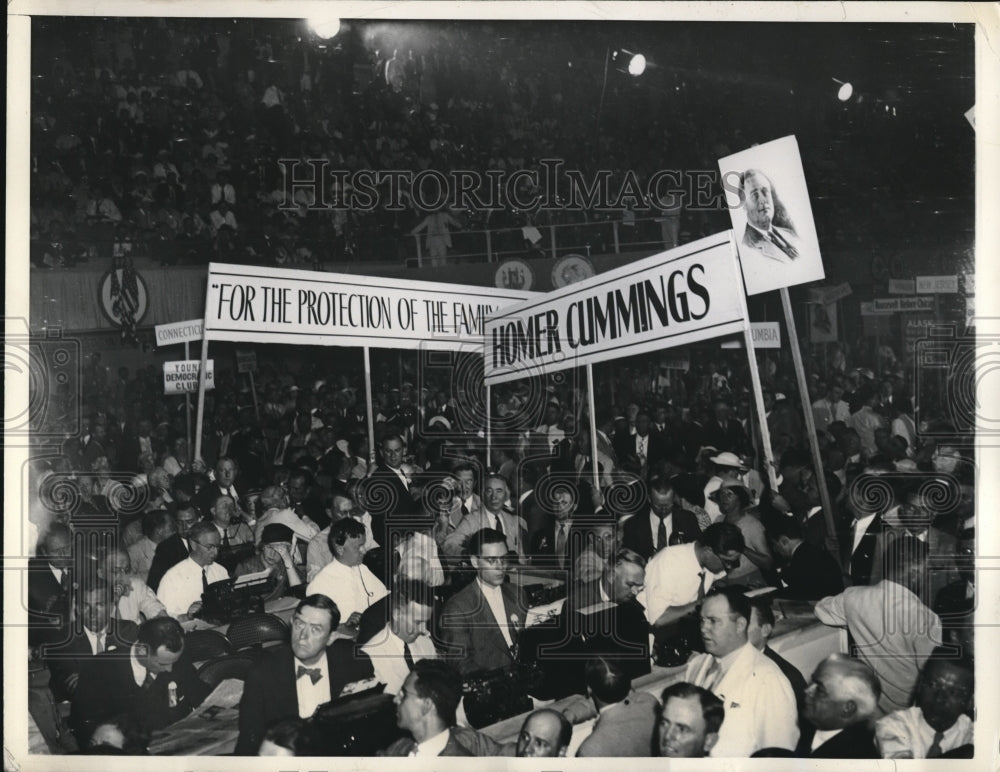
[(830, 611)]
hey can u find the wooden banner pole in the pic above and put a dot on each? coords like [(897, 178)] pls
[(800, 377)]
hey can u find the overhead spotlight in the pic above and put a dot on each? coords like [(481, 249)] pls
[(637, 65), (845, 91), (325, 27)]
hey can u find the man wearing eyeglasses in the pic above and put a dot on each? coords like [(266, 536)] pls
[(182, 586), (678, 577), (480, 623)]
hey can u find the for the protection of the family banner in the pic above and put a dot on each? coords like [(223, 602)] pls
[(671, 299), (313, 308)]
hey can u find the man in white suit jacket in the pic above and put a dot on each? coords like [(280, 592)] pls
[(759, 701)]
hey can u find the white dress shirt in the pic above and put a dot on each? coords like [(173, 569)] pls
[(432, 746), (906, 732), (672, 579), (181, 585), (140, 603), (759, 702), (311, 695), (386, 652), (138, 669), (96, 639), (860, 526), (494, 599), (352, 588), (654, 526)]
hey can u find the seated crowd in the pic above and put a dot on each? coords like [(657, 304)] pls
[(405, 568)]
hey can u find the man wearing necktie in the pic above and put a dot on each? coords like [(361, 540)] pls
[(938, 724), (493, 514), (549, 545), (480, 623), (406, 638), (761, 233), (292, 680), (665, 523), (152, 682), (69, 659), (182, 587)]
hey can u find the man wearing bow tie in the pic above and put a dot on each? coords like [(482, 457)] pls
[(294, 679)]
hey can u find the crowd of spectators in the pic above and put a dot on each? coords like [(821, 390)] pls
[(286, 486), (163, 138)]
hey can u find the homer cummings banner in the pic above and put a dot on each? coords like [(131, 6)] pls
[(671, 299)]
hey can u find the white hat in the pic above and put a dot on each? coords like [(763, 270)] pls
[(727, 459), (440, 419)]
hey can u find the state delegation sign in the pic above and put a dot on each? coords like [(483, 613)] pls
[(671, 299), (181, 377), (273, 305)]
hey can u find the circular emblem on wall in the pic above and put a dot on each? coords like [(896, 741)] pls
[(122, 293), (571, 269), (514, 274)]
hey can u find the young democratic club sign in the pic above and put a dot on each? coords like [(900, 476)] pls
[(671, 299), (273, 305)]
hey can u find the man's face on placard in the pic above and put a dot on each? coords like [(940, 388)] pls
[(758, 200)]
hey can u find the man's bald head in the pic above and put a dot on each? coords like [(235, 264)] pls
[(545, 733)]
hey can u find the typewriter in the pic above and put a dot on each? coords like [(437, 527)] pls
[(674, 644), (494, 695), (233, 598), (357, 724)]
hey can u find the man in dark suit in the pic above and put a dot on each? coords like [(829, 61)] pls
[(173, 549), (226, 473), (603, 617), (761, 234), (386, 492), (49, 583), (155, 683), (662, 523), (840, 703), (807, 572), (863, 545), (479, 624), (550, 543), (425, 707), (646, 448), (723, 432), (96, 634), (134, 444), (294, 679)]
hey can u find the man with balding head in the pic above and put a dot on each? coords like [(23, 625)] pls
[(840, 703), (274, 503), (546, 733), (492, 514)]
